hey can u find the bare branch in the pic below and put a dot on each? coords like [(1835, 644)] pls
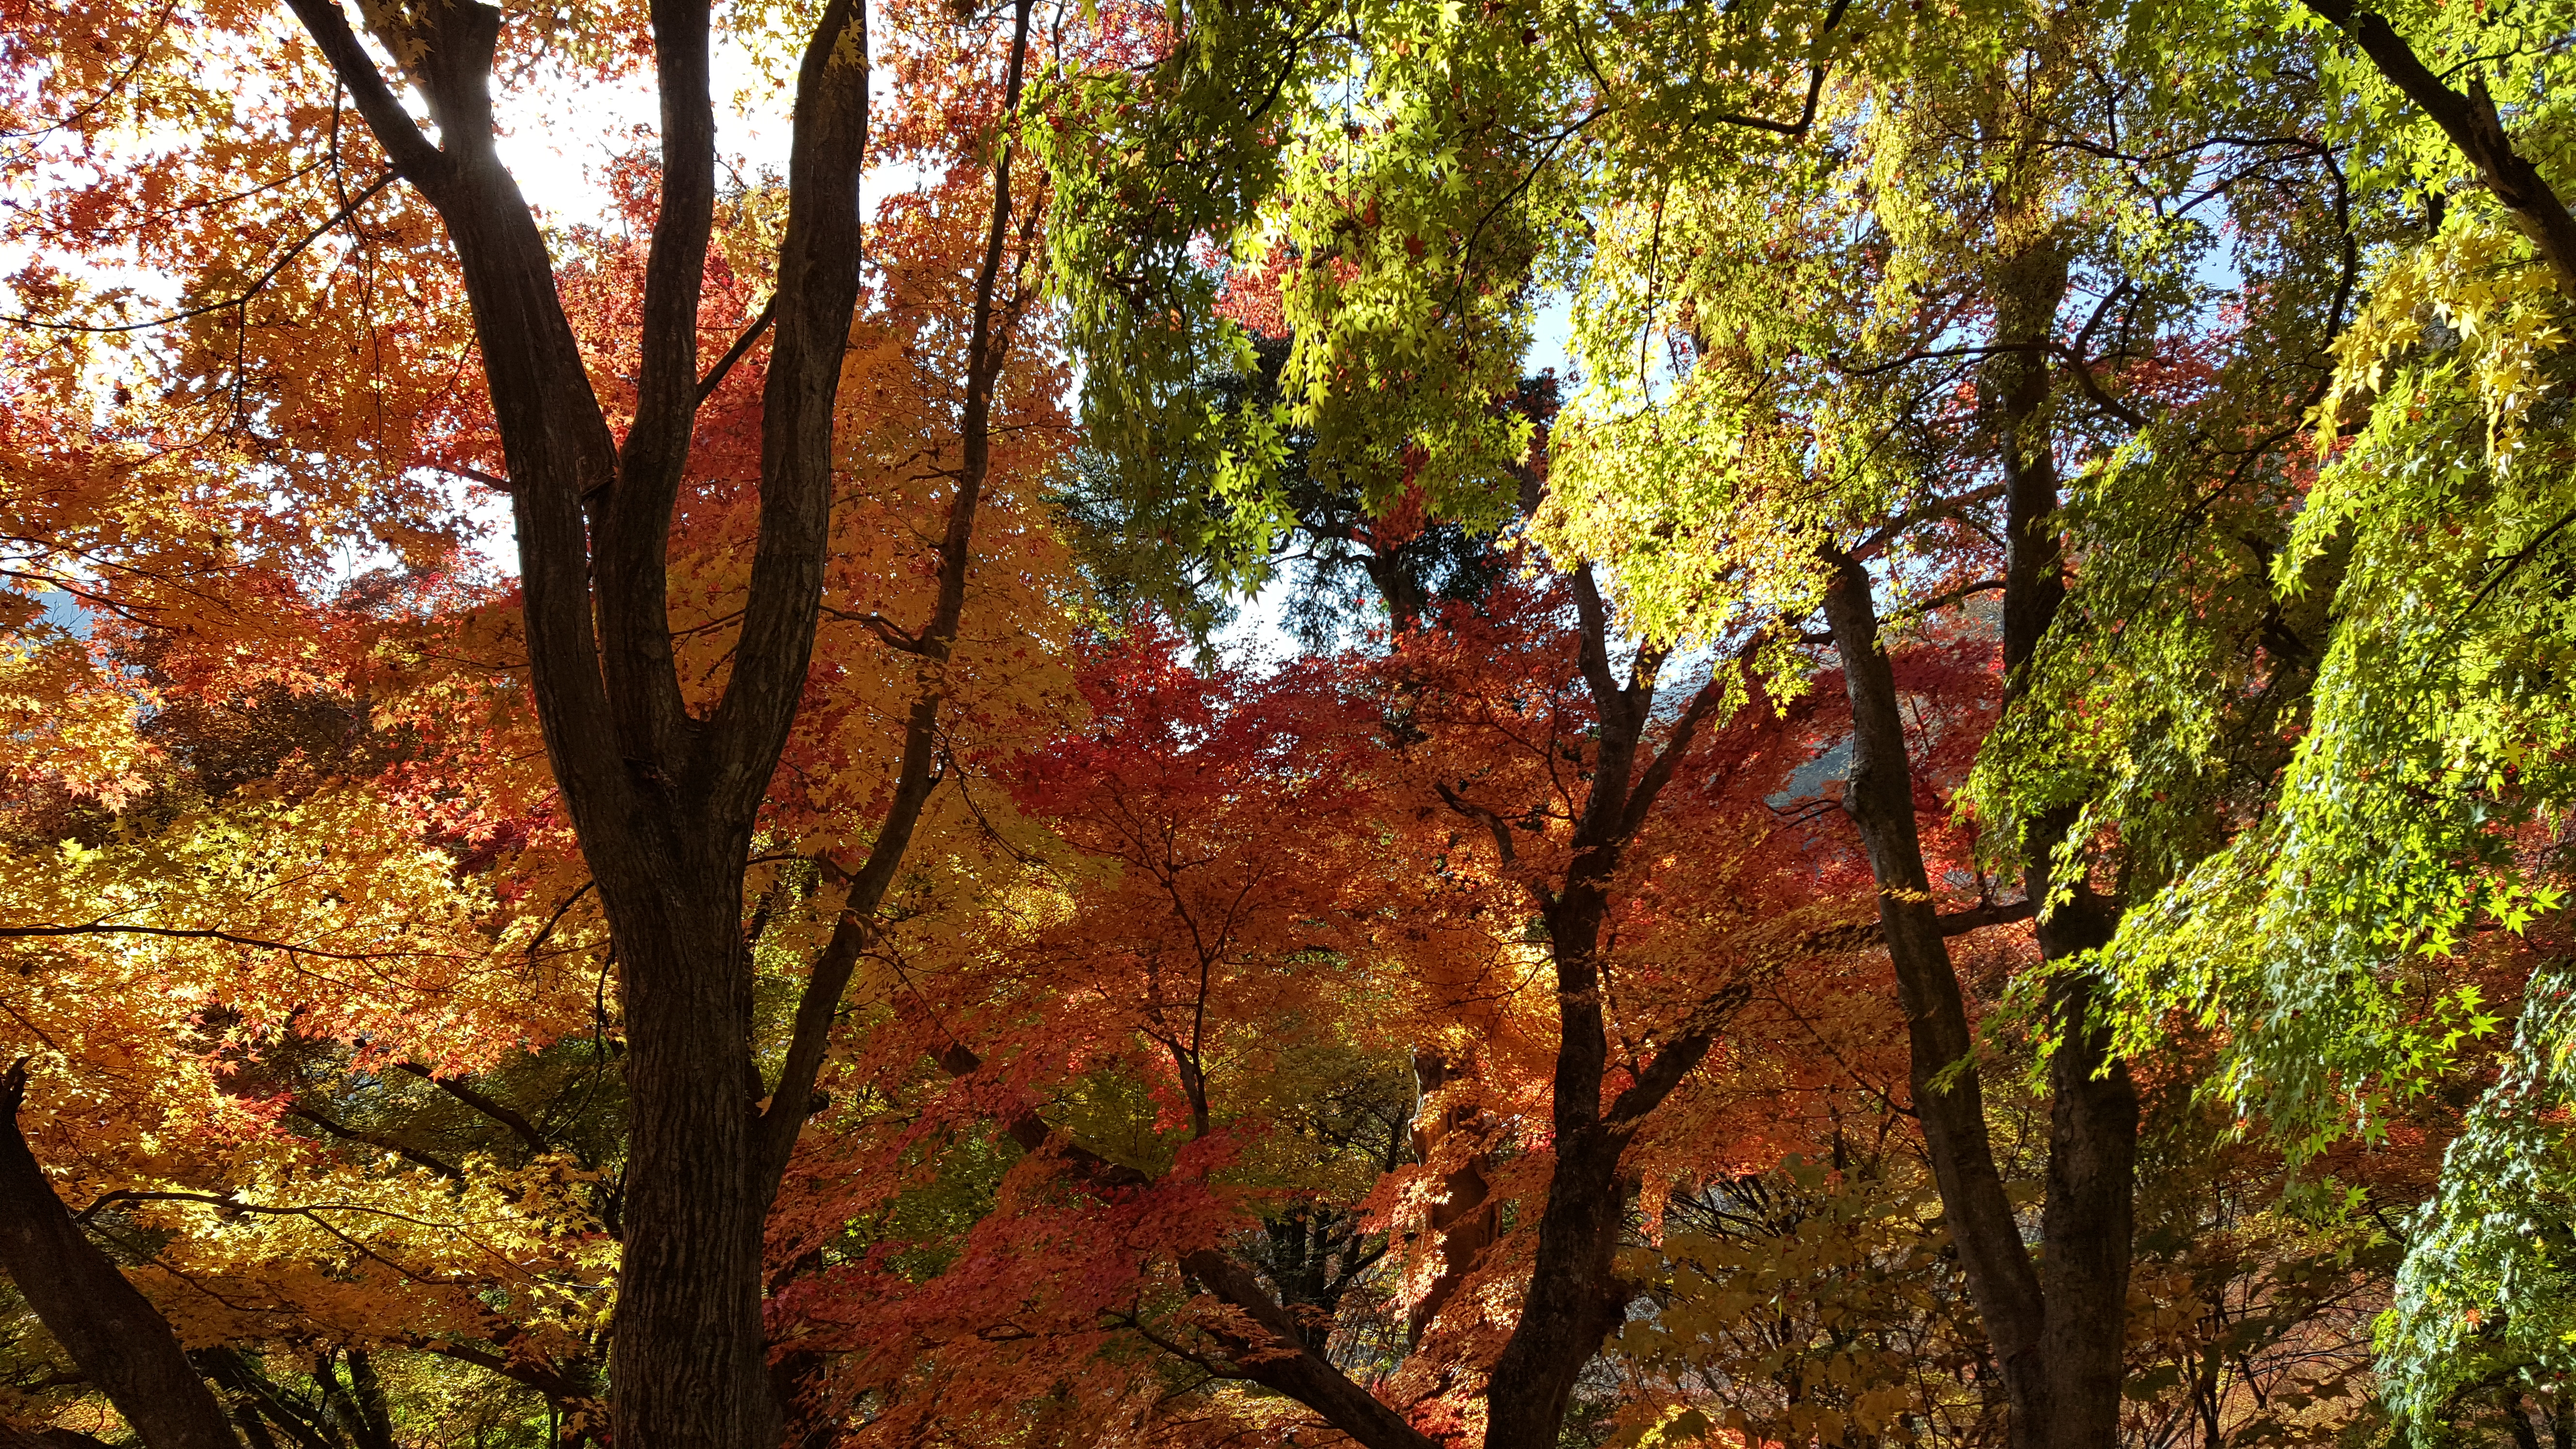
[(741, 345), (103, 928)]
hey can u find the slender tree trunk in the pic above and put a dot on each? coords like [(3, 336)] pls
[(2086, 1218), (120, 1341), (1575, 1297), (1949, 1098)]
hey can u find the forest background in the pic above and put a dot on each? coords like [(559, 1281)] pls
[(1955, 834)]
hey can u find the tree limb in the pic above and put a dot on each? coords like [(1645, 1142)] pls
[(101, 928), (741, 345), (121, 1342), (1280, 1360), (2470, 121), (382, 1141), (789, 1104), (419, 162), (501, 1112)]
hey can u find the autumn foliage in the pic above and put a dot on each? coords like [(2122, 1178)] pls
[(1953, 835)]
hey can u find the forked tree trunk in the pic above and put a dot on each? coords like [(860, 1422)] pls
[(663, 802), (1575, 1297), (2058, 1327)]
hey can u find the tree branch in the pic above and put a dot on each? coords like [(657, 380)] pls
[(520, 1127), (2471, 123), (119, 1340), (631, 540), (419, 162), (1280, 1360), (1960, 923), (1656, 1080), (1659, 772), (381, 1141), (551, 1382), (1797, 129), (556, 444), (816, 295), (821, 1002), (101, 928), (741, 345)]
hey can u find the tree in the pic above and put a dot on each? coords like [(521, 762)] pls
[(619, 497), (2057, 505), (2369, 925), (1903, 420)]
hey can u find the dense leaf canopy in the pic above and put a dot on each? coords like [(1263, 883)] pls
[(1524, 724)]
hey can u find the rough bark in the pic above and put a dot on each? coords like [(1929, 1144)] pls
[(688, 1336), (662, 803), (2087, 1220), (120, 1341)]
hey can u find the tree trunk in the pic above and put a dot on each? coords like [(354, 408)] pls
[(2085, 1221), (1575, 1298), (1574, 1301), (1949, 1098), (663, 802), (2469, 118), (120, 1341), (689, 1333)]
